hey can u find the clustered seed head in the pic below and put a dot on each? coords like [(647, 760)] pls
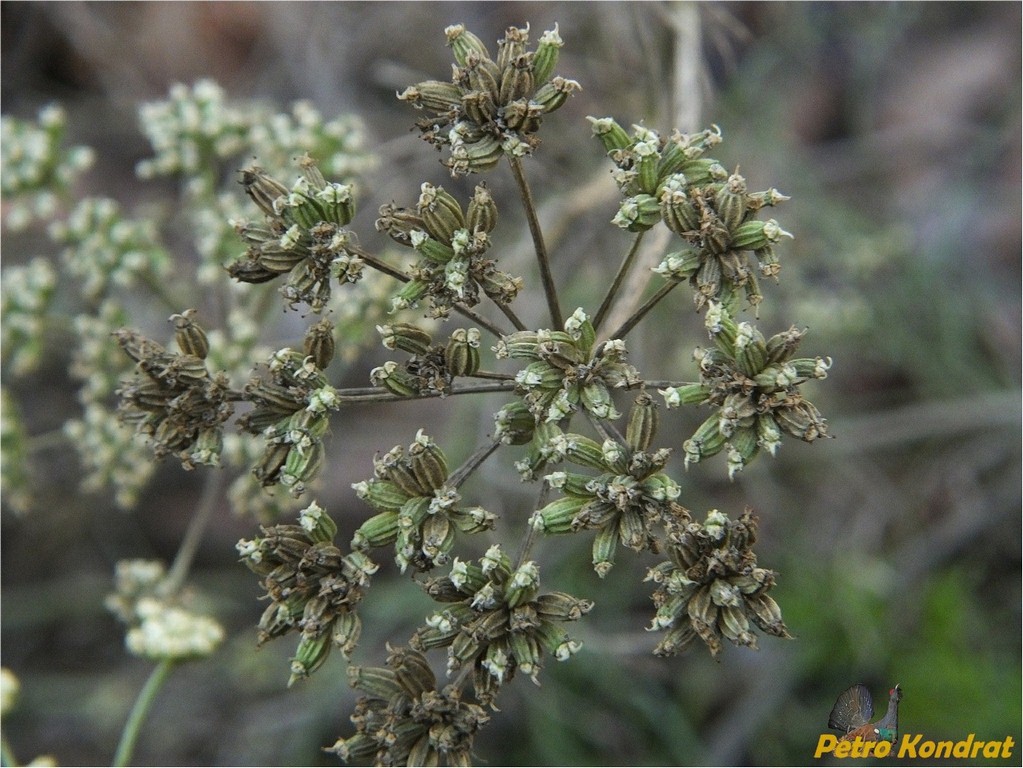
[(673, 180), (174, 400), (404, 720), (491, 108), (710, 587), (568, 370), (452, 245), (754, 385), (628, 502), (432, 367), (291, 413), (314, 589), (417, 507), (304, 235), (496, 621)]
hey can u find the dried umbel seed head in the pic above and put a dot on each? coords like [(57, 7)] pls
[(491, 107), (711, 587)]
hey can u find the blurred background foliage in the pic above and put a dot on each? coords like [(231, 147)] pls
[(896, 130)]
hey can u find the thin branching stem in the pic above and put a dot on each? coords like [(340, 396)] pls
[(211, 494), (377, 395), (510, 314), (140, 710), (616, 284), (638, 315), (491, 375), (472, 463), (550, 291), (531, 533)]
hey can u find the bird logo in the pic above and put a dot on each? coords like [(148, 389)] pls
[(853, 710)]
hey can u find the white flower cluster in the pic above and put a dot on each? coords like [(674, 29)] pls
[(192, 129), (196, 126), (107, 250), (170, 632), (110, 454), (335, 144), (35, 169), (98, 363), (14, 467), (25, 296)]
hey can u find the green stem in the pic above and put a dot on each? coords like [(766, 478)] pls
[(638, 315), (377, 395), (470, 465), (491, 375), (211, 494), (541, 250), (616, 284), (531, 534), (510, 314), (140, 710)]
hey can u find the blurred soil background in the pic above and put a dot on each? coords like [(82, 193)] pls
[(896, 130)]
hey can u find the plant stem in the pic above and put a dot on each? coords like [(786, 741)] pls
[(140, 710), (470, 465), (649, 304), (491, 375), (531, 534), (616, 284), (510, 314), (211, 494), (375, 394), (541, 250)]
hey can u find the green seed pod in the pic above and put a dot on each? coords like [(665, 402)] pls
[(399, 223), (482, 213), (463, 43), (642, 423), (435, 95), (610, 133), (406, 337), (572, 483), (190, 337), (546, 57), (461, 356), (511, 46), (730, 201), (561, 606), (597, 400), (376, 682), (263, 189), (346, 630), (686, 394), (337, 202), (584, 451), (551, 96), (678, 211), (319, 343), (604, 545), (672, 157), (699, 170), (516, 79), (410, 294), (705, 442), (767, 615), (311, 653), (638, 213), (483, 76), (558, 515), (395, 380), (523, 585), (438, 538), (744, 448), (383, 495), (441, 213), (379, 531), (428, 463)]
